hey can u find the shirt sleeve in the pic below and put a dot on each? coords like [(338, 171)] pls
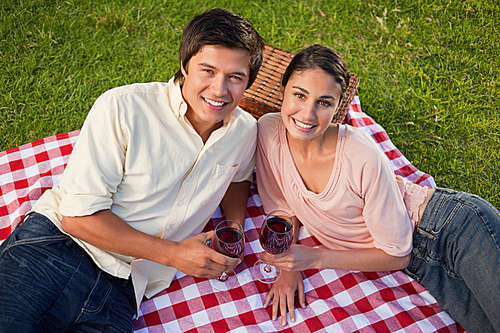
[(268, 174), (384, 211), (95, 167)]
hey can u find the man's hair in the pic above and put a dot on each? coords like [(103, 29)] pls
[(321, 57), (220, 27)]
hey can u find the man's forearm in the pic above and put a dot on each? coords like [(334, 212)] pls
[(107, 231), (235, 201)]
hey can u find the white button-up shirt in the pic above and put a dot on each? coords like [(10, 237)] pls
[(138, 155)]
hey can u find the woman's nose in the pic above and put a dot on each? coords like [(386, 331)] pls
[(309, 111)]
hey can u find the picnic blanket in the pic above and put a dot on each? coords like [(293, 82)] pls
[(337, 300)]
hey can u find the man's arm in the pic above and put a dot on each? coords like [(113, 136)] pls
[(107, 231), (234, 202)]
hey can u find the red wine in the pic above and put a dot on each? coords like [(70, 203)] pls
[(276, 237), (229, 241)]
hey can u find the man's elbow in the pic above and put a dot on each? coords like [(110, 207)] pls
[(69, 226)]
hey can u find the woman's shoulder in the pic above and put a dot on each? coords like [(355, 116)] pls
[(361, 145), (356, 136), (268, 126), (271, 119)]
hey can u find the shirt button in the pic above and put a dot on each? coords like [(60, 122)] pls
[(190, 179), (181, 203), (169, 228)]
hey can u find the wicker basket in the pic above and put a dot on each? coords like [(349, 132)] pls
[(264, 94)]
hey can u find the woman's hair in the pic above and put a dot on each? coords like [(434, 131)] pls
[(321, 57), (220, 27)]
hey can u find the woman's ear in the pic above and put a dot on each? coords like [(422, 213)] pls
[(282, 92)]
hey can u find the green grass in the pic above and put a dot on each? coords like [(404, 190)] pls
[(429, 69)]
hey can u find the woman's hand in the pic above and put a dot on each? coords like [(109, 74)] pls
[(282, 294), (296, 258)]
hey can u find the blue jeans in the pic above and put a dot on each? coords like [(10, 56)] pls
[(48, 283), (456, 256)]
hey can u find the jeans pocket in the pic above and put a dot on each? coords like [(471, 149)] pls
[(98, 295)]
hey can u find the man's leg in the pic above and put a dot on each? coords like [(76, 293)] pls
[(48, 282)]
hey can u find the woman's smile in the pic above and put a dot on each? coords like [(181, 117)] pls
[(302, 125)]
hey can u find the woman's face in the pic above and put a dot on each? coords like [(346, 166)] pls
[(310, 100)]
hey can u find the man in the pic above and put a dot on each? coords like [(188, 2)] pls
[(152, 163)]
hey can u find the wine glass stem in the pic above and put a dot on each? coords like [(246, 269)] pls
[(223, 277), (267, 269)]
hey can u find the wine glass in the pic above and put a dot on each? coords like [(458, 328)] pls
[(229, 240), (275, 236)]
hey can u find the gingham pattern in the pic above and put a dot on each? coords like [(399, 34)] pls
[(337, 301), (26, 172)]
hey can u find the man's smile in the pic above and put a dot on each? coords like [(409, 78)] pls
[(214, 103)]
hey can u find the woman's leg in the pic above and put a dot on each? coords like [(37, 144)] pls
[(456, 256)]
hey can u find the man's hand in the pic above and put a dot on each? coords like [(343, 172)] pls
[(193, 257), (282, 294)]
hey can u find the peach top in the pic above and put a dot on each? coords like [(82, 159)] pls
[(364, 203)]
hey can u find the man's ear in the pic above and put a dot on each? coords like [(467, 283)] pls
[(183, 71)]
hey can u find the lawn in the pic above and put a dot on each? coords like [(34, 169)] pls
[(429, 69)]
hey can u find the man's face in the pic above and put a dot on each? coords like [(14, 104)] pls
[(214, 84)]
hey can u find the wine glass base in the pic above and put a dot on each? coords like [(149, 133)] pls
[(266, 273), (220, 284)]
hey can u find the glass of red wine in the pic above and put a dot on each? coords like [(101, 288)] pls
[(275, 236), (229, 240)]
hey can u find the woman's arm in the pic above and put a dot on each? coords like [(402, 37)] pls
[(299, 258)]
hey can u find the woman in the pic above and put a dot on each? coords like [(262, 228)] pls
[(336, 181)]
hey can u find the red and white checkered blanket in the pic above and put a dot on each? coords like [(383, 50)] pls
[(337, 300)]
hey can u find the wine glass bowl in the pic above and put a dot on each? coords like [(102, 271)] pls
[(275, 237), (229, 240)]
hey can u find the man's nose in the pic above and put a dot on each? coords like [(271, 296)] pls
[(219, 86)]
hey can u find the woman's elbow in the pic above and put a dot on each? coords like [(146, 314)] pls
[(403, 262)]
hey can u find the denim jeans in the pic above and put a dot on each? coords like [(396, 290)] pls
[(456, 256), (48, 283)]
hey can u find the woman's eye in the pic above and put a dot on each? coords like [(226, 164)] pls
[(299, 95), (325, 103)]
